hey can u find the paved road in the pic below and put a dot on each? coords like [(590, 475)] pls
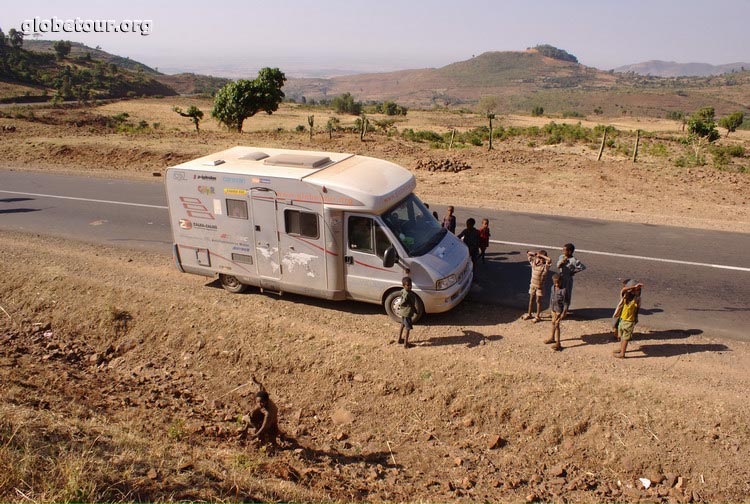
[(696, 280)]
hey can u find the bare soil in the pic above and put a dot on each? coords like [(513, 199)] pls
[(124, 380)]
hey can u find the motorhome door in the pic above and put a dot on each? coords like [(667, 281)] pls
[(265, 232), (366, 242)]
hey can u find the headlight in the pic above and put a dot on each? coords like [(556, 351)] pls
[(446, 282)]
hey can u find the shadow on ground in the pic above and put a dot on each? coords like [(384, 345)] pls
[(468, 339)]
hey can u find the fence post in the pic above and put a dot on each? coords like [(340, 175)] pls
[(637, 141), (601, 149)]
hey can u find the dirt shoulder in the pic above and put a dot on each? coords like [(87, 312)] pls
[(521, 174), (125, 380)]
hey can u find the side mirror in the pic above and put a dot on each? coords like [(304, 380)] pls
[(390, 257)]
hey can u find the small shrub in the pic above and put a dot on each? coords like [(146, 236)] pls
[(300, 128), (572, 113), (537, 111), (657, 149), (176, 430)]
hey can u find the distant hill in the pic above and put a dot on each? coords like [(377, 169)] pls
[(33, 73), (490, 73), (659, 68), (523, 80), (80, 50)]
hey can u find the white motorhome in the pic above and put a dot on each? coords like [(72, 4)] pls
[(329, 225)]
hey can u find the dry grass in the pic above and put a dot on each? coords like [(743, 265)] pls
[(143, 426)]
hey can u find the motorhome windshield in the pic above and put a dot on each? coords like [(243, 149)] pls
[(414, 226)]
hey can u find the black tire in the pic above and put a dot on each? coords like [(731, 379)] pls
[(391, 302), (231, 284)]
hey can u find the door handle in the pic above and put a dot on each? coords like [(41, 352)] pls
[(348, 259)]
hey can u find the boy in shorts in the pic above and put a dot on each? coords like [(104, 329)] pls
[(406, 311), (539, 268), (628, 316), (559, 308), (569, 266)]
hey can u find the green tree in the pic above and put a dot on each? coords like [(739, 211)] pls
[(702, 124), (732, 121), (241, 99), (345, 104), (15, 38), (194, 113), (537, 111), (62, 48)]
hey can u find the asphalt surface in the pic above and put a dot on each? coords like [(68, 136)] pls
[(697, 281)]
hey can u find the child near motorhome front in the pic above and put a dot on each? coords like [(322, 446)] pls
[(406, 310)]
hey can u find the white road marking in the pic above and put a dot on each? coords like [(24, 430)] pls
[(627, 256), (86, 199), (533, 245)]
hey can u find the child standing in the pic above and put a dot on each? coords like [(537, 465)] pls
[(484, 238), (568, 266), (628, 315), (558, 308), (406, 310), (627, 284), (539, 268), (449, 221), (470, 236)]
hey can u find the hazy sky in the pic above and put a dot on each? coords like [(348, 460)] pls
[(237, 37)]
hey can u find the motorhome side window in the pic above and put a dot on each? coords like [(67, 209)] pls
[(237, 209), (367, 236), (301, 223)]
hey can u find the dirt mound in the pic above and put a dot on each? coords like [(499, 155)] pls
[(444, 165)]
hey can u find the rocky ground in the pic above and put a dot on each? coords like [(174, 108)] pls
[(123, 379)]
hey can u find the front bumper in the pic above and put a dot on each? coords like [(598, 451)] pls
[(438, 301)]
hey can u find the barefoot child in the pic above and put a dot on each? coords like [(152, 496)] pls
[(569, 266), (559, 309), (406, 311), (484, 238), (539, 268), (627, 284), (628, 316)]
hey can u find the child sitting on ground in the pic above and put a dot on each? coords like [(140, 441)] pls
[(539, 267)]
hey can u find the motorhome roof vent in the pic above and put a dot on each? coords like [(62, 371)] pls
[(254, 156), (298, 160), (213, 162)]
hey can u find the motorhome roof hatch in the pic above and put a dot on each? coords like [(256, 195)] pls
[(298, 160), (254, 156)]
